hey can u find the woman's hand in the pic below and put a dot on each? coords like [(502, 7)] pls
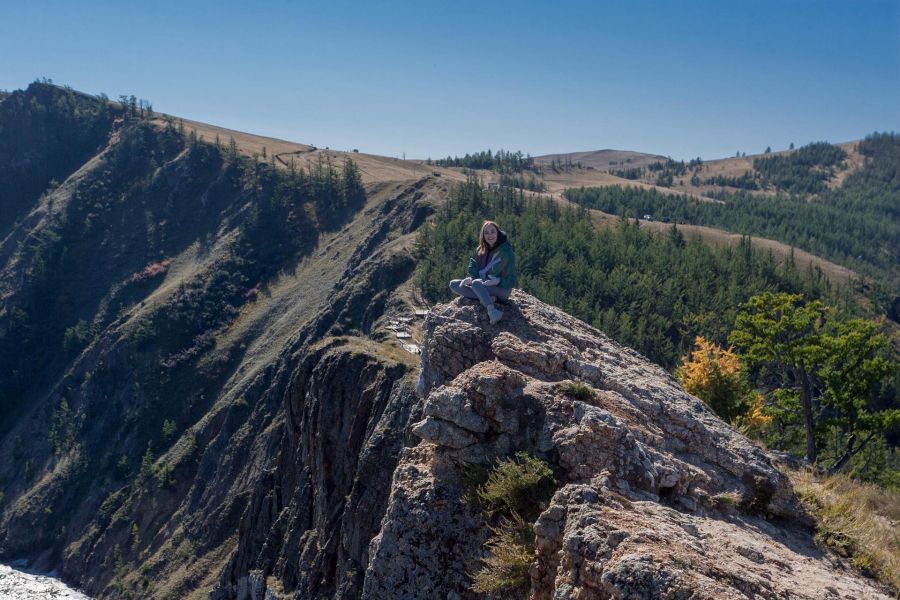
[(467, 281)]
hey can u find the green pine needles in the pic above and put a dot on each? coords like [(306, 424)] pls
[(512, 493)]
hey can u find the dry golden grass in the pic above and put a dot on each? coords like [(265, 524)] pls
[(858, 520), (367, 347), (373, 168)]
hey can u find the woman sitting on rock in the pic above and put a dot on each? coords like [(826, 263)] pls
[(492, 271)]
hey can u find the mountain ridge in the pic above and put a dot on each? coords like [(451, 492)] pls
[(219, 404)]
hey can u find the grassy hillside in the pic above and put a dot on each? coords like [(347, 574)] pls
[(711, 178), (856, 225)]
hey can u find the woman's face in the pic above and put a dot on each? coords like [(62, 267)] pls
[(490, 235)]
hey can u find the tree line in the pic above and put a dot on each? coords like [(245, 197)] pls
[(502, 161), (856, 225)]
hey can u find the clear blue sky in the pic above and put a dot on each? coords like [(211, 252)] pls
[(681, 78)]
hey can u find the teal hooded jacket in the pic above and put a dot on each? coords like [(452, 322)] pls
[(499, 262)]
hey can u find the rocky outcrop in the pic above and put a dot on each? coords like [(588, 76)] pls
[(658, 498)]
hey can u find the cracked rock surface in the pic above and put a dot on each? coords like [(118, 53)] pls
[(657, 497)]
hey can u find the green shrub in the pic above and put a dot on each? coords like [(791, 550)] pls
[(515, 489), (577, 390), (165, 475), (473, 478), (169, 429), (505, 571), (727, 500), (122, 467), (519, 485)]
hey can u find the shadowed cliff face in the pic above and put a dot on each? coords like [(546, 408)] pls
[(657, 497), (309, 519)]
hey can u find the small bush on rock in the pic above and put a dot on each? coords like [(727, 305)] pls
[(578, 390), (521, 485), (515, 490), (505, 571)]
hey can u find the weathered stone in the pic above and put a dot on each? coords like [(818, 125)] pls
[(638, 461), (452, 406), (443, 433)]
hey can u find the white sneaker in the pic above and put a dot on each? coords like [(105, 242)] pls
[(494, 314)]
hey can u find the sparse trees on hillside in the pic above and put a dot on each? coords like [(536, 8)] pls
[(856, 225)]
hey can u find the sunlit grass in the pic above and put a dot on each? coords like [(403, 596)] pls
[(858, 520)]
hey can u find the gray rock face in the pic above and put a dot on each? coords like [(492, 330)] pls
[(643, 469), (307, 527)]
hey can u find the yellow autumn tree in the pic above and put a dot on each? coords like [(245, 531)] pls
[(755, 421), (713, 374)]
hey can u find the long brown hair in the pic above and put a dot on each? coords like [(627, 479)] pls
[(483, 247)]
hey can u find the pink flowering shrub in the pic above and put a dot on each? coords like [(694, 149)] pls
[(152, 270)]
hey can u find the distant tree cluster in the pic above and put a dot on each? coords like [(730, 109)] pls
[(629, 173), (747, 181), (502, 161), (676, 168), (562, 164), (136, 108), (531, 183), (662, 173), (805, 171), (856, 225)]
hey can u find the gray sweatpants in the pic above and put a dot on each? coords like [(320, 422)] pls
[(478, 291)]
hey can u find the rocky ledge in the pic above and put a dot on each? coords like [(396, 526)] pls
[(656, 497)]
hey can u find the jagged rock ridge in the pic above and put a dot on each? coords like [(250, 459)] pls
[(658, 498)]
